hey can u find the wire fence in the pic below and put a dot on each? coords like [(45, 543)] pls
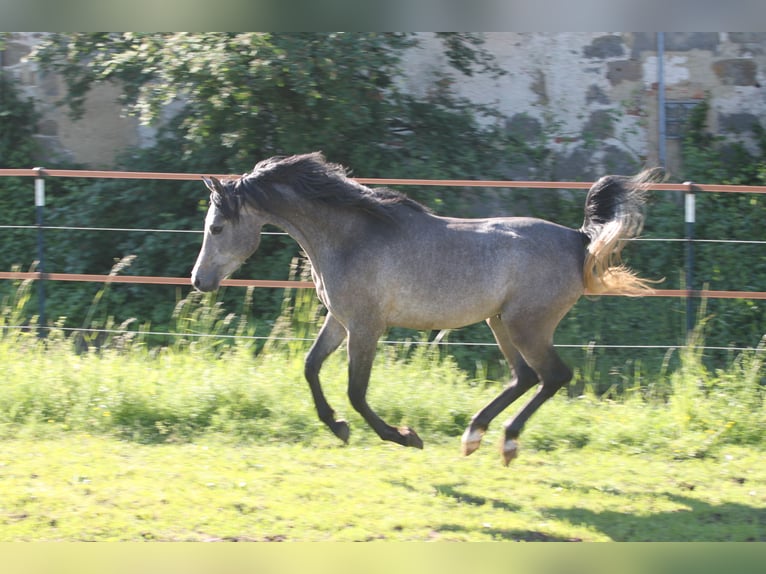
[(40, 174), (200, 232), (399, 342)]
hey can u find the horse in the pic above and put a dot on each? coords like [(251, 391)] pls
[(380, 259)]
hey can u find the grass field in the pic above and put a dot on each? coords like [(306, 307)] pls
[(206, 442), (97, 488)]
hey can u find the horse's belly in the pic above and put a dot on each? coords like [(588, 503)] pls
[(437, 312)]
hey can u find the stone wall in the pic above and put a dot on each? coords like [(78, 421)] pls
[(591, 98), (95, 139)]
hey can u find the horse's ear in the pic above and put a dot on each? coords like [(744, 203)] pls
[(213, 184)]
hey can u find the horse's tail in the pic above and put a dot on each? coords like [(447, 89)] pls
[(614, 213)]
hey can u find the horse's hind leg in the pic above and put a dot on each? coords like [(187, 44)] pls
[(330, 337), (524, 378), (361, 353), (537, 349)]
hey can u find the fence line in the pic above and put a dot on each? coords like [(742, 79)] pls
[(689, 188), (200, 232), (120, 229), (153, 280), (149, 280), (409, 342), (39, 172)]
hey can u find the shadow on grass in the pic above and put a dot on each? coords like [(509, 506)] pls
[(519, 535), (698, 521), (506, 534), (451, 490)]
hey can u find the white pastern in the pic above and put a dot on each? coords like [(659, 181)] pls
[(471, 440), (510, 450)]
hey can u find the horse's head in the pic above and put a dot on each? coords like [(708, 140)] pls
[(232, 234)]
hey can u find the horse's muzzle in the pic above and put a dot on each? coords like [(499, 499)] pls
[(200, 284)]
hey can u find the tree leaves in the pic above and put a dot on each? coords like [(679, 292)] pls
[(222, 101)]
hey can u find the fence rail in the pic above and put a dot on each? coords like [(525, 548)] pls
[(40, 172), (276, 284)]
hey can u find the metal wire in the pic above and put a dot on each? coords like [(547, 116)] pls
[(124, 229), (200, 231), (383, 341)]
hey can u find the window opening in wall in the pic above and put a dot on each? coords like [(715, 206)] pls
[(677, 114)]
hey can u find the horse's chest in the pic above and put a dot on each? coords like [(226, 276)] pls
[(321, 290), (340, 293)]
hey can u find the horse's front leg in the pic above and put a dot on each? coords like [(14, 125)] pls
[(330, 336), (361, 353)]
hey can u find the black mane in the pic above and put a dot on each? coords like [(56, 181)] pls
[(316, 179)]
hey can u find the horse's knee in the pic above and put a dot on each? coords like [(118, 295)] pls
[(526, 377), (312, 366), (310, 370), (564, 375), (556, 379)]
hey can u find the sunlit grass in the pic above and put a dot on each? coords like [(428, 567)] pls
[(170, 395), (78, 487)]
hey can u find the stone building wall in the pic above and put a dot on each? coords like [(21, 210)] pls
[(590, 98)]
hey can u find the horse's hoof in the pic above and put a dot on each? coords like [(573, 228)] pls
[(341, 430), (510, 450), (471, 440), (411, 438)]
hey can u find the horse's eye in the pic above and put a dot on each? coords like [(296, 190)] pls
[(216, 229)]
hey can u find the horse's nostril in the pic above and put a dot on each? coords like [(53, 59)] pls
[(195, 281)]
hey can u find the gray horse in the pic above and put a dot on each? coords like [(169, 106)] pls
[(380, 259)]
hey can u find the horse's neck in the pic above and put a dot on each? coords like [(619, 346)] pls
[(321, 231)]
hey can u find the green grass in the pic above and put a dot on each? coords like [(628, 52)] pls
[(206, 439), (204, 444), (77, 487), (178, 394)]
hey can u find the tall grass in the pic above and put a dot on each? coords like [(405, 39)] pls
[(214, 376)]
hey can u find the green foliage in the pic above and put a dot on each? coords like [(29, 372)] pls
[(17, 208), (238, 98), (17, 148), (245, 96), (709, 158)]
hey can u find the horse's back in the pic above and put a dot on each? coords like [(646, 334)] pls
[(520, 245), (528, 257), (445, 272)]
